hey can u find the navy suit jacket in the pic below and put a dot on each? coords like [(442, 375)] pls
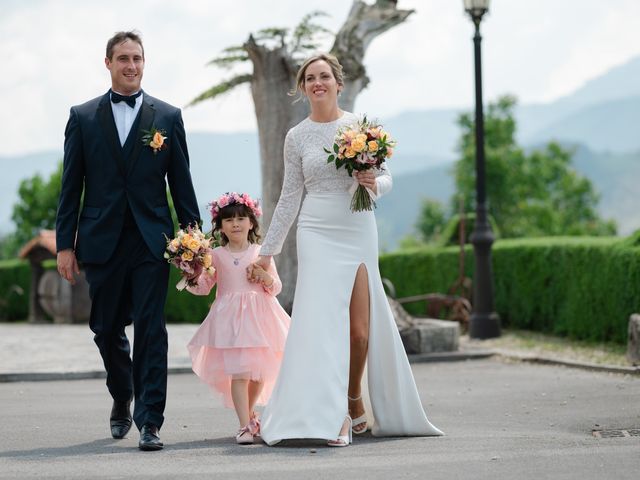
[(112, 178)]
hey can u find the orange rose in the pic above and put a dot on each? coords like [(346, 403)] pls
[(157, 142), (186, 239)]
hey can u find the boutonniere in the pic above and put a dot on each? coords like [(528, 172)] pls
[(154, 138)]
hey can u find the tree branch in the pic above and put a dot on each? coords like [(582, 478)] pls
[(221, 88)]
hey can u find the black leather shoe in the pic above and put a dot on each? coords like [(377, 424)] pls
[(120, 419), (150, 438)]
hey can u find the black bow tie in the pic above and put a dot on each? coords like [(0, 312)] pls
[(129, 100)]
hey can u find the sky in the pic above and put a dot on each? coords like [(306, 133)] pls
[(538, 50)]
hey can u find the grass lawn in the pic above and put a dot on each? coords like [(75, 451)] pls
[(533, 343)]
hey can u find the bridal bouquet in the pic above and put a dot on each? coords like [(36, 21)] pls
[(190, 252), (359, 147)]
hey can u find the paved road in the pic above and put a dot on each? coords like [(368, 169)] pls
[(503, 421)]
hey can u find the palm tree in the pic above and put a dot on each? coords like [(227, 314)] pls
[(275, 55)]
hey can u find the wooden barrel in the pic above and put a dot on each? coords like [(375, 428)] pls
[(63, 302)]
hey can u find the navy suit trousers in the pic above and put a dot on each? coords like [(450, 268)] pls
[(132, 288)]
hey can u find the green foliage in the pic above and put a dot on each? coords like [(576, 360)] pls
[(36, 207), (535, 194), (580, 287), (298, 43), (9, 246), (425, 269), (304, 38), (221, 88), (632, 240), (182, 306), (15, 285), (431, 220), (451, 232), (230, 56)]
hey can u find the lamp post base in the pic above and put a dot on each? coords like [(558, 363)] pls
[(484, 325)]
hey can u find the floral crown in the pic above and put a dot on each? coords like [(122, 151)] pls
[(231, 198)]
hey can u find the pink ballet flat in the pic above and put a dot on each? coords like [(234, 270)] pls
[(244, 436)]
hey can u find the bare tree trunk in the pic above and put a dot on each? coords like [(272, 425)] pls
[(274, 73), (273, 76), (364, 23)]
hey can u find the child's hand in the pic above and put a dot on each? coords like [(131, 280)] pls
[(260, 275), (252, 274)]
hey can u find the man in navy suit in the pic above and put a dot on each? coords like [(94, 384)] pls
[(117, 229)]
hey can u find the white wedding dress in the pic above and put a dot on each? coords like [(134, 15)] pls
[(309, 399)]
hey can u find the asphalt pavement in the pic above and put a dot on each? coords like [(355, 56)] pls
[(503, 420)]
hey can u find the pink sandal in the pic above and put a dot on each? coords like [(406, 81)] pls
[(244, 436)]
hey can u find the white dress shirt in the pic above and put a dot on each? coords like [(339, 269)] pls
[(124, 117)]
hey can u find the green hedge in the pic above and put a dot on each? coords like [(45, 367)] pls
[(581, 287), (15, 285), (182, 306)]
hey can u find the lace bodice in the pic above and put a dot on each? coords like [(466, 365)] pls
[(305, 166)]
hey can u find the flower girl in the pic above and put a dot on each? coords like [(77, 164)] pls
[(238, 348)]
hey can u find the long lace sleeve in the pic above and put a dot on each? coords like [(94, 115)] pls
[(289, 202), (384, 182), (205, 283), (276, 286)]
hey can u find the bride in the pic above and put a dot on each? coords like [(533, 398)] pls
[(341, 318)]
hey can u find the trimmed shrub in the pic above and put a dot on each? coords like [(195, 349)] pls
[(15, 286), (182, 306), (581, 287)]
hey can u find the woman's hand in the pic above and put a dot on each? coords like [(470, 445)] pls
[(367, 179), (263, 263)]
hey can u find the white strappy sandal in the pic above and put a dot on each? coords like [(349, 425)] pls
[(360, 420), (343, 440)]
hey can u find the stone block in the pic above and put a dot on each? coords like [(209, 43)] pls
[(429, 335)]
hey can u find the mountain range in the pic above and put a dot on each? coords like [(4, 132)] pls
[(600, 119)]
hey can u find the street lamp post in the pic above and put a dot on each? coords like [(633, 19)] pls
[(484, 322)]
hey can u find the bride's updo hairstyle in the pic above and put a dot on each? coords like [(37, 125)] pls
[(333, 62)]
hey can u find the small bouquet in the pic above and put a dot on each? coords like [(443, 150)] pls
[(190, 252), (362, 146)]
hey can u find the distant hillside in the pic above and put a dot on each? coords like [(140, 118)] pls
[(219, 162), (603, 114), (433, 131), (398, 211), (617, 83), (614, 176), (608, 126)]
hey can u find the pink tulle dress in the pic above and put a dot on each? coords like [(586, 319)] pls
[(243, 335)]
